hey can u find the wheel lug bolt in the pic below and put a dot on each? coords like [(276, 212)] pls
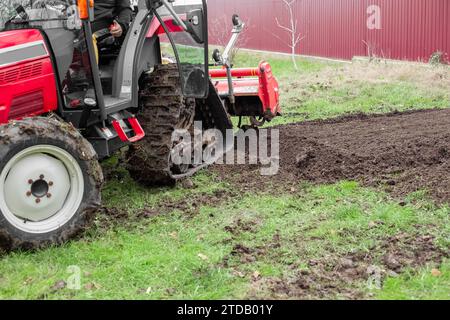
[(29, 194), (30, 181), (38, 200), (50, 183), (41, 176), (49, 195)]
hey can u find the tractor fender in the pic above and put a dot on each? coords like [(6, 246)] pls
[(213, 107)]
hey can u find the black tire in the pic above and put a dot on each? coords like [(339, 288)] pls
[(20, 135), (165, 110)]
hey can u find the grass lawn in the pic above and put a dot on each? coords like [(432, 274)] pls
[(317, 241)]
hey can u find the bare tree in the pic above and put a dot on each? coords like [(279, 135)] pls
[(292, 29)]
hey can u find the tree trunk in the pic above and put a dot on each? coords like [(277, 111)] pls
[(294, 61)]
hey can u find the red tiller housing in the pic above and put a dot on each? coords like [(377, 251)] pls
[(394, 29)]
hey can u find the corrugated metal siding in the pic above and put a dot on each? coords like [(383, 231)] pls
[(410, 29)]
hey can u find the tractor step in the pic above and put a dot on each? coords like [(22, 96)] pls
[(122, 130), (120, 127)]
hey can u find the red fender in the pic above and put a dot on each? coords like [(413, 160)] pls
[(156, 28)]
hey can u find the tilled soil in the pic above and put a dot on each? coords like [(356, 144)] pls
[(402, 152)]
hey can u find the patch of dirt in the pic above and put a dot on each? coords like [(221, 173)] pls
[(350, 276), (190, 206), (399, 152), (402, 152), (241, 225), (247, 223)]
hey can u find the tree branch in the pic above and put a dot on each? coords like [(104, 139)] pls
[(282, 27), (292, 30)]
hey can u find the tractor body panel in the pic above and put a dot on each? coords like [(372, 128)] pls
[(27, 77)]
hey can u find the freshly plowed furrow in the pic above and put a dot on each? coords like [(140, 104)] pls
[(405, 152)]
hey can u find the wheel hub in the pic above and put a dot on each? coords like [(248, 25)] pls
[(40, 188), (36, 187)]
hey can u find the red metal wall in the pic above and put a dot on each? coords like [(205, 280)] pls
[(410, 29)]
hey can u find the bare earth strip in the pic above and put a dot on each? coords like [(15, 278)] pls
[(403, 152)]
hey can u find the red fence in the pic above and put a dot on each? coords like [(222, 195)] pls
[(395, 29)]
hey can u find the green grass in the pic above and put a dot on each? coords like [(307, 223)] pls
[(182, 257), (356, 98), (281, 65), (125, 194), (427, 284)]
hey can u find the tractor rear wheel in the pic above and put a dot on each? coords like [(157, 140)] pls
[(164, 110), (50, 183)]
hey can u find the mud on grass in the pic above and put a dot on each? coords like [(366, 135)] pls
[(314, 245), (128, 204), (405, 155), (317, 242), (355, 275)]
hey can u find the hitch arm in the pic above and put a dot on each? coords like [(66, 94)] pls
[(224, 59), (236, 32)]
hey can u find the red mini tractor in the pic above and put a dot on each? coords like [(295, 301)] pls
[(69, 97)]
